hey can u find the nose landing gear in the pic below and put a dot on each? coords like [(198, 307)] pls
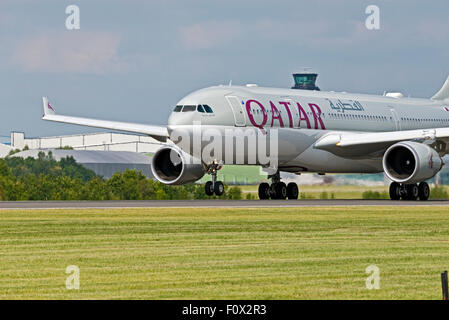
[(278, 190), (214, 186), (415, 191)]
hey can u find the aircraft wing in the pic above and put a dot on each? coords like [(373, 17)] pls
[(360, 144), (159, 133), (364, 143)]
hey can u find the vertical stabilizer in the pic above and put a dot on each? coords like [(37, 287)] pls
[(443, 94)]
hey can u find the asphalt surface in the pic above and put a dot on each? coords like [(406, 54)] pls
[(211, 204)]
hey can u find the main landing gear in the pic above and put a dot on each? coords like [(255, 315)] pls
[(214, 186), (409, 191), (278, 190)]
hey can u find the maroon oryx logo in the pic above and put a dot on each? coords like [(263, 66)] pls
[(431, 162)]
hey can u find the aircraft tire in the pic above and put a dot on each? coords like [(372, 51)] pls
[(411, 192), (292, 191), (280, 191), (264, 191), (423, 191), (219, 188), (208, 188), (395, 191)]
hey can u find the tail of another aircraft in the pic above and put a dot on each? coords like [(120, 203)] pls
[(443, 94), (48, 109)]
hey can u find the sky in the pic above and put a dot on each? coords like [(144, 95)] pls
[(133, 60)]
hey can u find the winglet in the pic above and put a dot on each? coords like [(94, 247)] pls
[(443, 94), (48, 109)]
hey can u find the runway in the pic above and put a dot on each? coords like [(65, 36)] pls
[(30, 205)]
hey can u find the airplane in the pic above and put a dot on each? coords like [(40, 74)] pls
[(316, 132)]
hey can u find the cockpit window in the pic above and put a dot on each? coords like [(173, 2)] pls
[(200, 108), (177, 109), (188, 108), (207, 108)]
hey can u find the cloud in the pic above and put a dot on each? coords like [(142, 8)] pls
[(209, 34), (312, 33), (71, 51), (433, 30)]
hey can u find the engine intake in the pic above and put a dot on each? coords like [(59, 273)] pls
[(171, 165), (411, 162)]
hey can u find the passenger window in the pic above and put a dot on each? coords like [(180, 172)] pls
[(200, 108), (207, 108), (189, 108), (177, 109)]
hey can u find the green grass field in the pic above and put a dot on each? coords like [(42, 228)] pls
[(294, 253)]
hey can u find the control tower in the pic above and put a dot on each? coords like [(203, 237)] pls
[(305, 80)]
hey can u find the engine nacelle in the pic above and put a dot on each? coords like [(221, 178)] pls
[(411, 162), (171, 165)]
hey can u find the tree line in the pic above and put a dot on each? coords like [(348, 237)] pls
[(45, 178)]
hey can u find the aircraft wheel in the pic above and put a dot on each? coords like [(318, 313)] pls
[(395, 191), (219, 188), (423, 191), (411, 192), (280, 191), (292, 191), (264, 191), (209, 188)]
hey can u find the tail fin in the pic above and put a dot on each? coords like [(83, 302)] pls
[(443, 94), (48, 109)]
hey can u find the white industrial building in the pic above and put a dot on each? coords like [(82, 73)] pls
[(95, 141), (4, 150)]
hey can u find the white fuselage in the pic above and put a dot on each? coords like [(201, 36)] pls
[(302, 117)]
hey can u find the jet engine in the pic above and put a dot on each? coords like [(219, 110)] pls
[(171, 165), (411, 162)]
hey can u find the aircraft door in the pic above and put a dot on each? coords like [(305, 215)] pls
[(237, 110), (396, 120)]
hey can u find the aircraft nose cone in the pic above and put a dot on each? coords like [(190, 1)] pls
[(180, 118)]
